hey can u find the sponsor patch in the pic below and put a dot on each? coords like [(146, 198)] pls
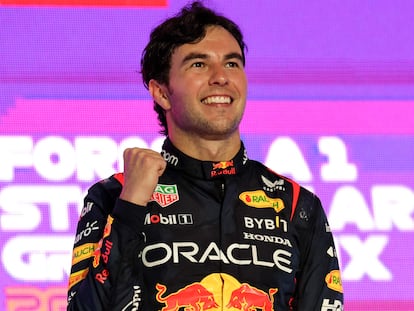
[(333, 281), (278, 184), (78, 276), (223, 168), (83, 252), (216, 292), (165, 195), (259, 199), (106, 233)]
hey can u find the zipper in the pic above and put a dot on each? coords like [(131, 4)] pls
[(222, 188)]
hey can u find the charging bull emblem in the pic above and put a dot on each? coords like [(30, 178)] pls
[(248, 298), (194, 297), (223, 168)]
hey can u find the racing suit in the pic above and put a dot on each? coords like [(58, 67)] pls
[(230, 235)]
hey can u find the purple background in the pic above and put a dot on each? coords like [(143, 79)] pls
[(325, 68)]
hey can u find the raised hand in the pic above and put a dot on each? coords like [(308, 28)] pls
[(142, 168)]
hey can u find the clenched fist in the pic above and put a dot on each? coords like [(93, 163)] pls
[(142, 168)]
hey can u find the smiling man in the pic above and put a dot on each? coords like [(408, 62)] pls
[(200, 226)]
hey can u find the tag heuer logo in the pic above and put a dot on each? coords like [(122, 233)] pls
[(165, 195)]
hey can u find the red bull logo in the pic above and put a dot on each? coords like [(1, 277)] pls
[(222, 165), (106, 233), (214, 289), (247, 297), (223, 168), (191, 297), (259, 199)]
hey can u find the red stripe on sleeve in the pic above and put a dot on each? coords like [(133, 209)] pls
[(120, 177)]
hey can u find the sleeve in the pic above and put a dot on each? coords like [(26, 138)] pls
[(105, 269), (319, 285)]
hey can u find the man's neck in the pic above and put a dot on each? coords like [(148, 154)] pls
[(208, 149)]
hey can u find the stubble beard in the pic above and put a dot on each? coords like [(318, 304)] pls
[(214, 130)]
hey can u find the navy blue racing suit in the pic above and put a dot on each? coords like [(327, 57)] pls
[(230, 235)]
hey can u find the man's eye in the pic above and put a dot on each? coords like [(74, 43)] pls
[(232, 64), (197, 64)]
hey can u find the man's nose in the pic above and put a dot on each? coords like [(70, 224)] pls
[(218, 75)]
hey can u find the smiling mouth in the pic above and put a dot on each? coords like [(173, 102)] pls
[(217, 100)]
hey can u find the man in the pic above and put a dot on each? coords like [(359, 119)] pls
[(200, 226)]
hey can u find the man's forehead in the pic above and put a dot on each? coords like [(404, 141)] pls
[(219, 42)]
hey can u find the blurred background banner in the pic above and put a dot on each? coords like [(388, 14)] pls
[(330, 104)]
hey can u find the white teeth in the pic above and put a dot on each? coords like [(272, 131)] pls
[(217, 100)]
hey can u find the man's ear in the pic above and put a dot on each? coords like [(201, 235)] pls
[(159, 93)]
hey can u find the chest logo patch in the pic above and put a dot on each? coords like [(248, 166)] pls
[(259, 199), (165, 195), (223, 168)]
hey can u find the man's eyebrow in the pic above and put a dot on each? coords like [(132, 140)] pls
[(234, 55), (192, 56)]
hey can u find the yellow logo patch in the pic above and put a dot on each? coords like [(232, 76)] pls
[(259, 199), (83, 252), (333, 281), (76, 277)]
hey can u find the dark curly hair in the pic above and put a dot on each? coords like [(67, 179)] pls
[(188, 26)]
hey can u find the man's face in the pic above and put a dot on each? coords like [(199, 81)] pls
[(207, 87)]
